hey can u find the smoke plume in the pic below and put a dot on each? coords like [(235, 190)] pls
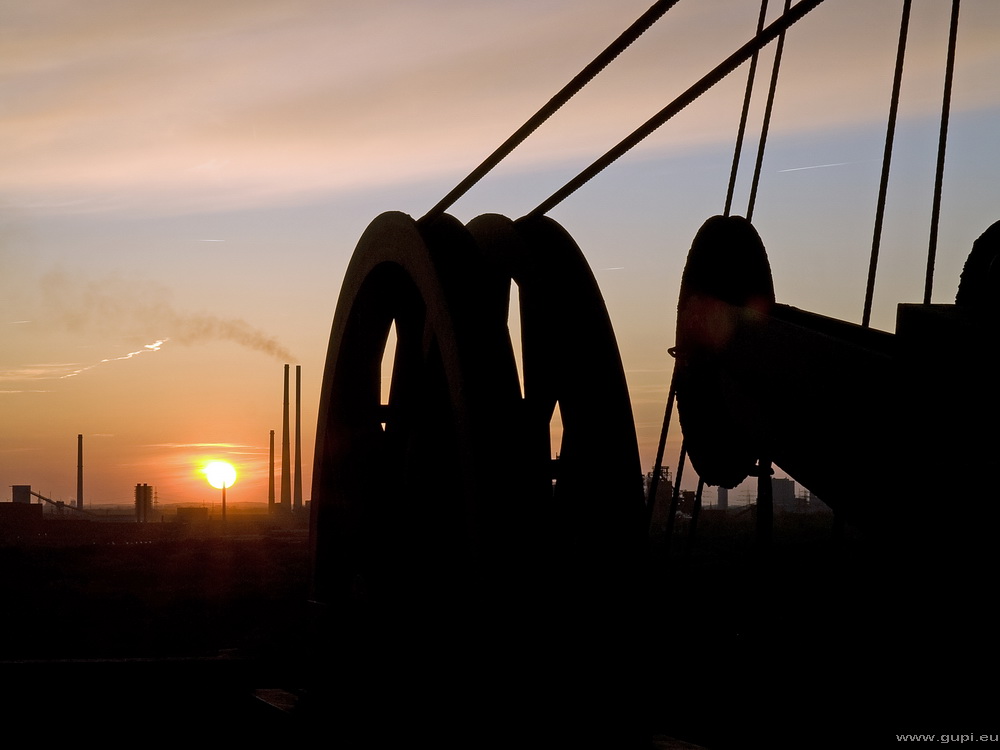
[(144, 311)]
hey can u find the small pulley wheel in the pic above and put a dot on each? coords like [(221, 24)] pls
[(727, 275)]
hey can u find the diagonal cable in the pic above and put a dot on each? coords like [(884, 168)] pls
[(724, 68), (886, 161), (633, 32), (942, 142), (765, 126), (741, 132)]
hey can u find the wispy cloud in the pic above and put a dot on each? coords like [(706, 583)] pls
[(198, 445), (49, 371), (255, 100)]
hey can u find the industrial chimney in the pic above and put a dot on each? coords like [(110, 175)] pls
[(143, 503), (297, 495), (286, 459), (79, 472), (270, 478)]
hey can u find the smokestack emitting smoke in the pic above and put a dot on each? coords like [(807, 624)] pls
[(112, 304), (79, 471), (270, 479), (297, 495), (286, 468)]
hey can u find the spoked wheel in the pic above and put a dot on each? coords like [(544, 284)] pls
[(588, 516), (726, 271), (412, 496), (590, 500)]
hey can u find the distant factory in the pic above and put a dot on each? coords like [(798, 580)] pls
[(21, 518)]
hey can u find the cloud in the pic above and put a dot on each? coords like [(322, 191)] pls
[(114, 103), (50, 371), (199, 445)]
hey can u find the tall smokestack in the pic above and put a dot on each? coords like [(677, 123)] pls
[(297, 496), (270, 478), (286, 459), (79, 471)]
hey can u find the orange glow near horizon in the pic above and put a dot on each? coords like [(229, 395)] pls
[(219, 474)]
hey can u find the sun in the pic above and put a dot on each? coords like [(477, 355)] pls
[(219, 474)]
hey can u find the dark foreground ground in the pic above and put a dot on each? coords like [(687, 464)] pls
[(821, 640)]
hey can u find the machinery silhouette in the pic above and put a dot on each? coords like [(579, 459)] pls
[(444, 536)]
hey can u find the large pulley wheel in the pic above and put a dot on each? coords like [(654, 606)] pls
[(727, 275), (963, 376), (589, 501), (979, 287), (411, 497)]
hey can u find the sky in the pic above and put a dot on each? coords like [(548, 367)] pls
[(184, 182)]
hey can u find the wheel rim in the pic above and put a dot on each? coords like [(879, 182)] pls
[(979, 287), (570, 357), (402, 511), (726, 271)]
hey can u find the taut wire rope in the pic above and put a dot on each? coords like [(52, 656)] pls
[(768, 108), (654, 480), (751, 74), (722, 70), (942, 143), (633, 32), (886, 160)]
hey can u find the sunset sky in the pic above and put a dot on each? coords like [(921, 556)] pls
[(184, 182)]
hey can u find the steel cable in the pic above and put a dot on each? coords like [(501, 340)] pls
[(654, 480), (942, 143), (768, 108), (633, 32), (886, 160), (722, 70), (741, 131)]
